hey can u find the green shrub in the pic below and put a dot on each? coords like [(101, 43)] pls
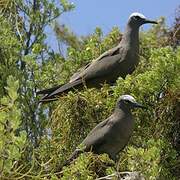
[(151, 150), (11, 144)]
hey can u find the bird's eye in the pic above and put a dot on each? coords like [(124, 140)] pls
[(137, 17), (127, 101)]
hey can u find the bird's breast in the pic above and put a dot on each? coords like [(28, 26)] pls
[(121, 131), (130, 61)]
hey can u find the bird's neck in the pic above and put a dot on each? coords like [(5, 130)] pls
[(131, 36), (122, 109)]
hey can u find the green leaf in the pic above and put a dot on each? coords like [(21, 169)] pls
[(3, 116), (12, 88), (5, 101)]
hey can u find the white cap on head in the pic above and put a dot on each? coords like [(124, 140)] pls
[(137, 14), (127, 97)]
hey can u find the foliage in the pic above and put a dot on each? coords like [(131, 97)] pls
[(53, 132), (89, 166), (174, 33), (9, 48), (149, 159), (11, 144), (26, 55), (156, 86)]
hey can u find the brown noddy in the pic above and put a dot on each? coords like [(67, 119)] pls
[(118, 61), (111, 135)]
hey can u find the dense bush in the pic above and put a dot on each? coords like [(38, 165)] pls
[(37, 139), (152, 149), (11, 142)]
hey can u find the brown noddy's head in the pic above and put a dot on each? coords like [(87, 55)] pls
[(138, 19), (129, 102)]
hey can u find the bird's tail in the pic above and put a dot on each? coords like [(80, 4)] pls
[(61, 90), (48, 91), (73, 156)]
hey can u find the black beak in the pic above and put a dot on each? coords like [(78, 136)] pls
[(137, 105), (149, 21)]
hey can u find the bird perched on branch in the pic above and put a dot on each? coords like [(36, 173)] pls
[(111, 135), (118, 61)]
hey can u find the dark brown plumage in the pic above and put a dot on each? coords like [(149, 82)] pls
[(111, 135), (118, 61)]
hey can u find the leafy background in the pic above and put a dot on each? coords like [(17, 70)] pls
[(37, 139)]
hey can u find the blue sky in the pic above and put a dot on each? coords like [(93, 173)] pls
[(89, 14)]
